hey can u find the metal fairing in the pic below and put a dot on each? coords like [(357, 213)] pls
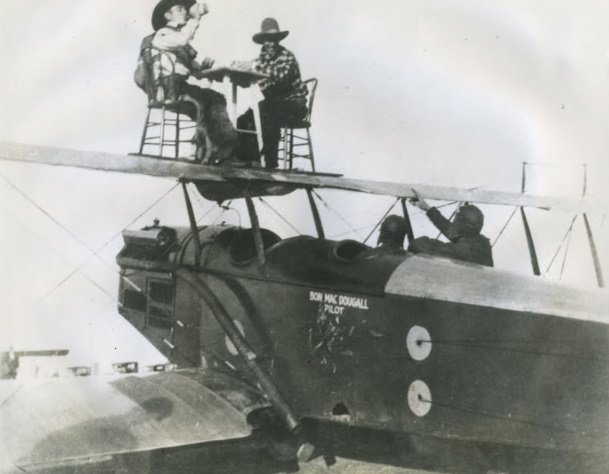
[(93, 421), (335, 331)]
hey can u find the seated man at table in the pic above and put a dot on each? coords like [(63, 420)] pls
[(175, 23), (285, 95)]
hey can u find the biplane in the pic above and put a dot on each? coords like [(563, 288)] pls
[(300, 345)]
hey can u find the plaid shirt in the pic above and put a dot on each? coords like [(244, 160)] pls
[(284, 74)]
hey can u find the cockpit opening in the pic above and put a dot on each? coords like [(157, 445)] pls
[(348, 250), (242, 249)]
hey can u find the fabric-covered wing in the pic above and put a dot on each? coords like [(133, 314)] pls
[(66, 421), (278, 182)]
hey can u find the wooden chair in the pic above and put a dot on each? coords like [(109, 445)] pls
[(166, 128), (295, 142)]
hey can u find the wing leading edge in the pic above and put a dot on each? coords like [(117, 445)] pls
[(200, 174)]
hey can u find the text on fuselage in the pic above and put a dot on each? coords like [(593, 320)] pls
[(335, 303)]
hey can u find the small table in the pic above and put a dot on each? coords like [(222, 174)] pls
[(237, 78)]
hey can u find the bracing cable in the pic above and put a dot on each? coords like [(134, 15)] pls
[(263, 201), (504, 226), (381, 220), (565, 237), (94, 253), (366, 227), (355, 231), (564, 260), (55, 252)]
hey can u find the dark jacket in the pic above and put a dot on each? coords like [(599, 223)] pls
[(470, 248)]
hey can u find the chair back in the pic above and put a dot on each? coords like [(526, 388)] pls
[(160, 82), (311, 87)]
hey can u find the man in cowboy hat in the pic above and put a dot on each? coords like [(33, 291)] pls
[(465, 241), (175, 23), (285, 95)]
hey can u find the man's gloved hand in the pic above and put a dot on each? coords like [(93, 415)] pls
[(418, 201)]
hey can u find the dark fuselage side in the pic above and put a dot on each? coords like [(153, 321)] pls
[(335, 343)]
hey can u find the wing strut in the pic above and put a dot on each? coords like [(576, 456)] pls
[(251, 209), (527, 228), (530, 243), (193, 226), (597, 264), (409, 231), (250, 358), (316, 218)]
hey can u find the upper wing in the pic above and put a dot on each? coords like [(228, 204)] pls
[(201, 175)]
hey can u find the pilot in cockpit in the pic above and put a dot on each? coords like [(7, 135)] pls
[(392, 233), (391, 238), (465, 240)]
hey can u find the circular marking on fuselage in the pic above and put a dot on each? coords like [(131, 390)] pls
[(229, 344), (418, 343), (419, 398)]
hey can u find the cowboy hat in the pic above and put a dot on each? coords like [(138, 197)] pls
[(158, 14), (269, 30)]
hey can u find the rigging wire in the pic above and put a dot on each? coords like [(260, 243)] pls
[(567, 233), (94, 253), (70, 233), (164, 253), (504, 226), (382, 218), (489, 221), (368, 226), (279, 215), (55, 252), (336, 213), (200, 202), (564, 260), (45, 212), (11, 395), (205, 214)]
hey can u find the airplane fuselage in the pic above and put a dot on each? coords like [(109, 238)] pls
[(396, 342)]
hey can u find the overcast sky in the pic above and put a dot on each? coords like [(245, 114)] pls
[(454, 92)]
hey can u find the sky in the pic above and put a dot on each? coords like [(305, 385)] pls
[(456, 93)]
